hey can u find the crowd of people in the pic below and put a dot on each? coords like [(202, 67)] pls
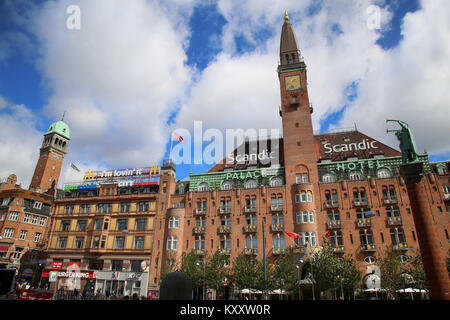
[(62, 294)]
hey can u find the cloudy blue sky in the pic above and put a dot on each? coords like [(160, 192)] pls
[(136, 70)]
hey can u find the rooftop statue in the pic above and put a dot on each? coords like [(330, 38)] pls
[(407, 143)]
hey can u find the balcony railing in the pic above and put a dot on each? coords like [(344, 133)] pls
[(225, 210), (299, 250), (251, 252), (275, 207), (363, 222), (277, 227), (277, 251), (334, 224), (225, 229), (199, 252), (394, 221), (368, 248), (249, 209), (331, 204), (249, 228), (199, 230), (200, 211), (390, 200), (339, 249), (225, 251), (400, 246), (360, 202)]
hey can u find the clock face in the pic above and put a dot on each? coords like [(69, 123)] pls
[(293, 82)]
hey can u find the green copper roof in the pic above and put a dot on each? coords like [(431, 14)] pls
[(59, 127)]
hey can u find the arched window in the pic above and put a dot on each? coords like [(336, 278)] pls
[(397, 236), (251, 242), (370, 260), (203, 187), (200, 243), (384, 173), (250, 184), (225, 243), (355, 175), (278, 241), (276, 182), (172, 243), (174, 223), (227, 185), (328, 178)]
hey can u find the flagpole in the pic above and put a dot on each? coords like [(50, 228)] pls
[(171, 143)]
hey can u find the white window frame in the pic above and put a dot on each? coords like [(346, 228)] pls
[(328, 178), (34, 219), (172, 243), (13, 216), (42, 221), (174, 223), (203, 187), (37, 205), (27, 218), (384, 173), (37, 236), (23, 234), (8, 233)]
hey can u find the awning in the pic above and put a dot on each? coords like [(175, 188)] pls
[(4, 248), (410, 290)]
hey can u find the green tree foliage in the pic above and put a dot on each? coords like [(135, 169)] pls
[(247, 273), (216, 272), (192, 266), (284, 274)]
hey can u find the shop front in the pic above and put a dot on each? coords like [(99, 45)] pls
[(69, 279), (122, 283)]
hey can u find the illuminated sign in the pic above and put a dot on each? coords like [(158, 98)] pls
[(81, 186), (365, 144), (146, 171), (242, 175)]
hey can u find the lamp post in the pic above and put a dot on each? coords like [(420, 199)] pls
[(298, 268), (264, 259), (204, 276)]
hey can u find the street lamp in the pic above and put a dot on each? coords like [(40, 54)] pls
[(312, 276), (298, 268), (204, 275)]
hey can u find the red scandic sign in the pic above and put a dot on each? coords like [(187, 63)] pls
[(145, 183), (57, 265)]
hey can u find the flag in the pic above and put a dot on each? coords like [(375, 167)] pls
[(177, 137), (74, 167), (327, 235), (293, 235)]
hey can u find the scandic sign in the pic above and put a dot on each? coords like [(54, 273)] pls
[(90, 175), (365, 144)]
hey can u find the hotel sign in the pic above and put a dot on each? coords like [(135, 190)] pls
[(365, 144)]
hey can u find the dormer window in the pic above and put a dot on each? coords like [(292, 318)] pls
[(37, 205)]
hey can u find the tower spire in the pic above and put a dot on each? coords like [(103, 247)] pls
[(289, 51), (62, 119), (286, 17)]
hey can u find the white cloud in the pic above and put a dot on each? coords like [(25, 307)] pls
[(118, 78), (19, 142), (410, 82)]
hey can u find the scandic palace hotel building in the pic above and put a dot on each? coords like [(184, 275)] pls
[(119, 229)]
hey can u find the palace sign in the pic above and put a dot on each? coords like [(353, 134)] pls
[(365, 144)]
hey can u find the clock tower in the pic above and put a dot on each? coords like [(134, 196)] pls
[(53, 149), (300, 157)]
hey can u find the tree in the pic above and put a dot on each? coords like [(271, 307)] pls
[(191, 265), (415, 269), (392, 272), (169, 265), (247, 273), (216, 272), (350, 274), (284, 274)]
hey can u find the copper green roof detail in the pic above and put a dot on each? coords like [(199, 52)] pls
[(59, 127)]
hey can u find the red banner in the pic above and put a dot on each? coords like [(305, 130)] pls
[(57, 265)]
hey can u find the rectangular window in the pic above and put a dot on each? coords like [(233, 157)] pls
[(81, 225), (143, 206), (125, 207), (17, 253), (27, 218), (65, 225), (23, 234), (120, 242), (13, 216), (37, 205), (62, 242), (141, 224), (69, 209), (122, 224), (8, 233), (116, 265), (139, 242), (37, 237), (34, 220), (42, 221), (98, 224), (79, 242), (85, 208), (136, 265)]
